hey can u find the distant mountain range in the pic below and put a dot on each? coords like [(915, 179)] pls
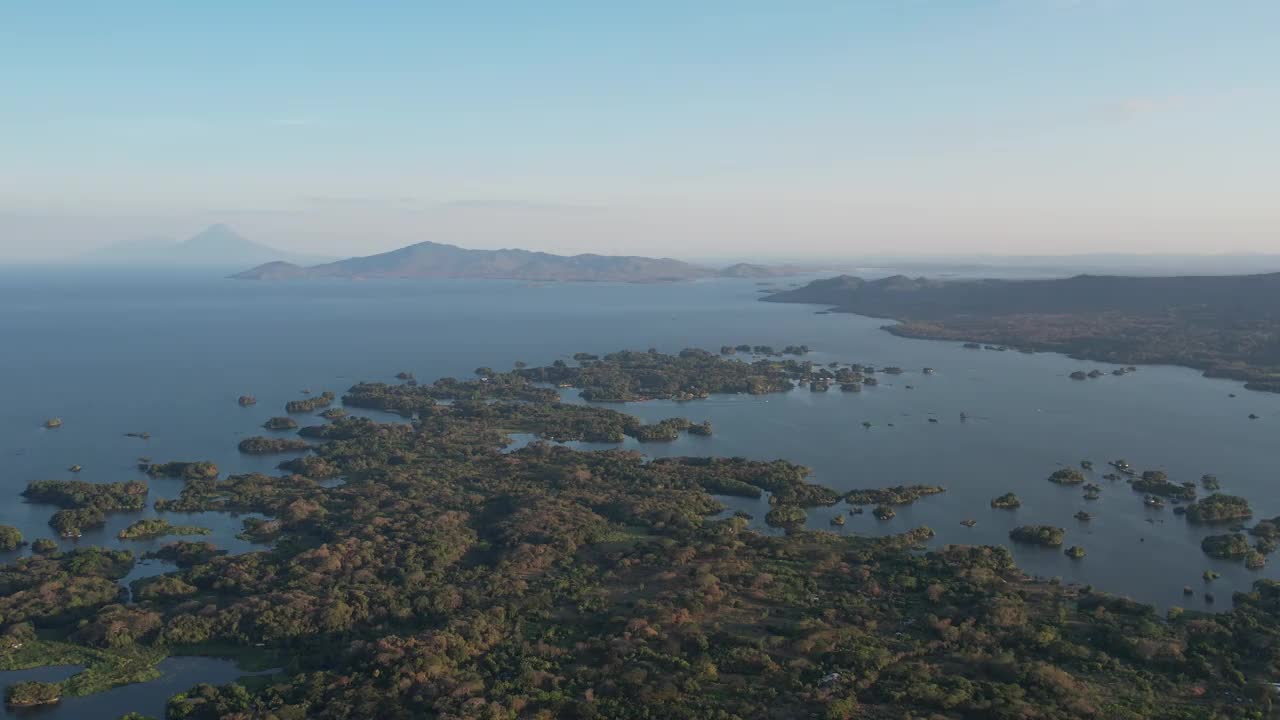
[(217, 245), (436, 260)]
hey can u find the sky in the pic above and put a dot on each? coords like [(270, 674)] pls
[(713, 128)]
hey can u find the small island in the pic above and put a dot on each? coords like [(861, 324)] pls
[(703, 429), (1156, 482), (786, 516), (1219, 508), (1067, 476), (1230, 547), (1043, 535), (281, 423), (32, 693), (897, 495), (1007, 501), (185, 470), (10, 538)]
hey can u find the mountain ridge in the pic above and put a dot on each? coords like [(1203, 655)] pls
[(426, 260)]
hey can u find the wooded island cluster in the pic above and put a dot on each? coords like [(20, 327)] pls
[(448, 576)]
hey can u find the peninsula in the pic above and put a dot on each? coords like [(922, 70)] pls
[(1223, 325)]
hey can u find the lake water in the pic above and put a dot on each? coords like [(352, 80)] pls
[(169, 354), (148, 698)]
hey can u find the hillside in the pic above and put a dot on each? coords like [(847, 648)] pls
[(216, 245), (1228, 326), (436, 260)]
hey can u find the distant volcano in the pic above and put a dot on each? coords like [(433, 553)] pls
[(216, 245)]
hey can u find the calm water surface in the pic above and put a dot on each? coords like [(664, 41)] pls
[(169, 355), (148, 698)]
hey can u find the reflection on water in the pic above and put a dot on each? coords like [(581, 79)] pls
[(148, 698), (192, 345)]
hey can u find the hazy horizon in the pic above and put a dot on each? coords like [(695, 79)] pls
[(743, 130)]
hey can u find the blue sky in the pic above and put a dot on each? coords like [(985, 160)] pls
[(682, 128)]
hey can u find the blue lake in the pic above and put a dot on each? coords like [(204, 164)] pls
[(112, 353), (148, 698)]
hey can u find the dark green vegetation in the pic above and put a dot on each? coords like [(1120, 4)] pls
[(10, 538), (1007, 501), (268, 446), (1233, 545), (1075, 552), (59, 588), (447, 578), (157, 527), (32, 693), (695, 374), (183, 553), (1067, 476), (1046, 535), (85, 504), (280, 423), (1268, 529), (73, 522), (631, 376), (898, 495), (44, 546), (786, 516), (78, 494), (311, 404), (1219, 508), (663, 430), (1156, 482), (184, 470), (1225, 326)]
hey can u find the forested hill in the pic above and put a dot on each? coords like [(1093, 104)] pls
[(1226, 297), (1228, 325), (436, 260)]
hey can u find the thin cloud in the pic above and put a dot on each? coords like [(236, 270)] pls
[(360, 200), (519, 205)]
